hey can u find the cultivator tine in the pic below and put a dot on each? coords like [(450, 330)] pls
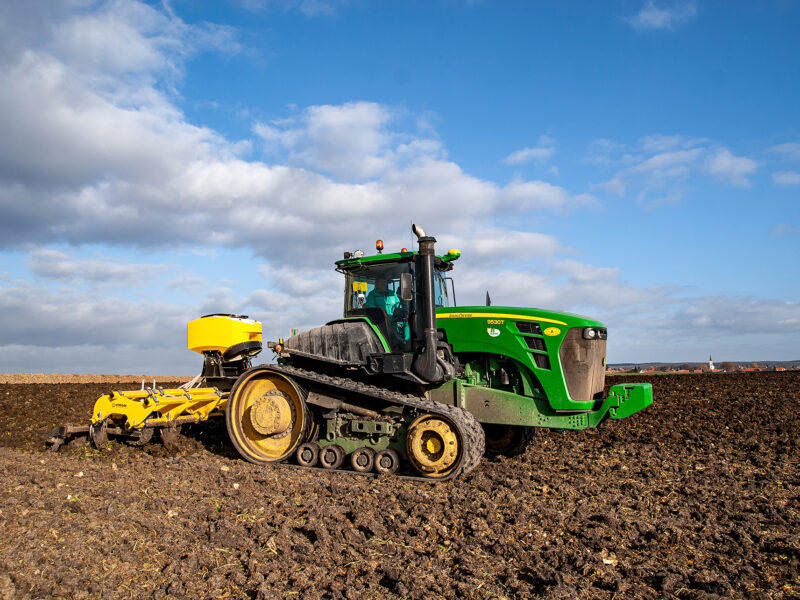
[(134, 415), (60, 435)]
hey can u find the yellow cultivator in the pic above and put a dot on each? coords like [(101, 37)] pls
[(227, 342)]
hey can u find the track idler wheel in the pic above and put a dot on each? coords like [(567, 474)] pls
[(266, 416), (433, 445), (332, 457), (362, 460), (387, 462), (308, 454)]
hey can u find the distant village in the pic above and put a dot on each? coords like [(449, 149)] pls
[(709, 367)]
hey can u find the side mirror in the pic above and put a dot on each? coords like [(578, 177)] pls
[(406, 287)]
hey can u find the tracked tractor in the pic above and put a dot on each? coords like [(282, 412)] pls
[(402, 383)]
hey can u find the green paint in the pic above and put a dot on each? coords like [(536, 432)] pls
[(512, 367)]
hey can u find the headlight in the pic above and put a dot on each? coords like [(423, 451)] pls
[(595, 333)]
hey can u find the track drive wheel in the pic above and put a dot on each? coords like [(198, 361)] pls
[(362, 460), (433, 445), (332, 457), (387, 462), (508, 440), (308, 454), (267, 417)]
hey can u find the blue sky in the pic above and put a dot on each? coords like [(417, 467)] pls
[(636, 161)]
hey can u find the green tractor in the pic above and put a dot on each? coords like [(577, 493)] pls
[(404, 382)]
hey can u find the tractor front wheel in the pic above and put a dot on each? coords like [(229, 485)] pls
[(508, 440)]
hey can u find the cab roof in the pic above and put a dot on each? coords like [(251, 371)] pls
[(346, 264)]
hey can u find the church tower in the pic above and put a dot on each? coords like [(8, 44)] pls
[(710, 363)]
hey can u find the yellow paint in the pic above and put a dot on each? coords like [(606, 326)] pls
[(138, 408), (497, 316), (359, 286), (551, 331), (433, 446), (220, 333)]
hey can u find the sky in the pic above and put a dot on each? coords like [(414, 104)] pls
[(636, 161)]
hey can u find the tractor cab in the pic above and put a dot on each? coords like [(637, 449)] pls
[(384, 289)]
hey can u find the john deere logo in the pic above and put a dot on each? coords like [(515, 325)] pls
[(493, 332), (552, 331)]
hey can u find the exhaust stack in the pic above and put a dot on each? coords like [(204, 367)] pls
[(427, 365)]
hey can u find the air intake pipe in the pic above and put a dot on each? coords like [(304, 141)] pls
[(427, 365)]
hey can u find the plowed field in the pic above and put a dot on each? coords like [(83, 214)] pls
[(696, 497)]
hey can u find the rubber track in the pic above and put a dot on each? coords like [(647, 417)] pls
[(469, 429)]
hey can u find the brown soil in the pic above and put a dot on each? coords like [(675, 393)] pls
[(696, 497), (57, 378)]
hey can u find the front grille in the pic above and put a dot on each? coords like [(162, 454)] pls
[(541, 361), (535, 344), (529, 327), (582, 361)]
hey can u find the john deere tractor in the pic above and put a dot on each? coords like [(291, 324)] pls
[(402, 382)]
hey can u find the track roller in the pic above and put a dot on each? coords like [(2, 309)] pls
[(362, 460), (332, 457), (266, 416), (387, 462), (308, 454)]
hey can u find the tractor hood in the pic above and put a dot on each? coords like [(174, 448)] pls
[(547, 318)]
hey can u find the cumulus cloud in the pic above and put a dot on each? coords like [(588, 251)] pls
[(96, 163), (666, 16), (55, 265), (537, 154), (96, 150), (659, 169), (786, 177), (310, 8), (733, 168), (534, 196), (789, 150)]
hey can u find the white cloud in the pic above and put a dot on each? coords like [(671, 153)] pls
[(653, 16), (309, 8), (55, 265), (786, 177), (534, 195), (95, 151), (600, 151), (188, 283), (733, 168), (790, 150), (660, 171), (537, 154)]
